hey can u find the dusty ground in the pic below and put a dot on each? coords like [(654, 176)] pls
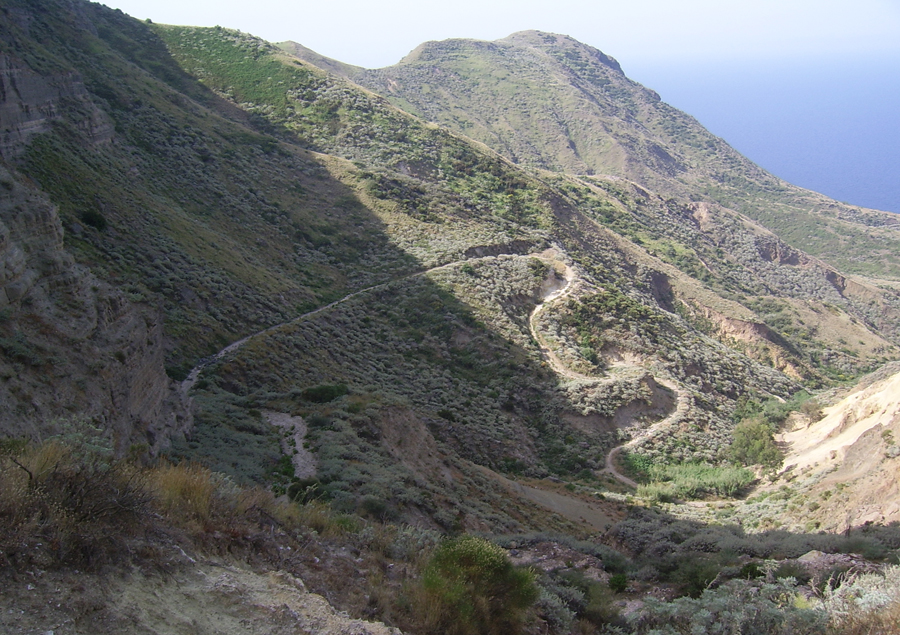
[(844, 424), (292, 444), (212, 597), (851, 458), (595, 515)]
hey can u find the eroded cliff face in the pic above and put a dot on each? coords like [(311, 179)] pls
[(73, 350), (30, 102)]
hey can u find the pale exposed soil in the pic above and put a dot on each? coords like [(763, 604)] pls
[(295, 427), (851, 458), (843, 424), (554, 290), (206, 598), (611, 468)]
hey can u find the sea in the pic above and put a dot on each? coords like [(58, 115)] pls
[(832, 126)]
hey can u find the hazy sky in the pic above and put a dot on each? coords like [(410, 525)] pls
[(809, 89), (378, 33)]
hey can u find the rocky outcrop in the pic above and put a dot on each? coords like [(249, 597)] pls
[(30, 102), (772, 249), (74, 352)]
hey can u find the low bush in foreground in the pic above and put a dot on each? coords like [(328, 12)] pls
[(736, 608), (65, 506), (470, 587)]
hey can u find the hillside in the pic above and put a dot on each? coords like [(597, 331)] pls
[(845, 461), (548, 101), (263, 188), (216, 252)]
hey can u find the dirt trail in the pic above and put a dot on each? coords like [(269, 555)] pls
[(192, 377), (556, 294), (194, 374), (611, 467), (556, 364), (680, 409), (551, 256), (304, 461)]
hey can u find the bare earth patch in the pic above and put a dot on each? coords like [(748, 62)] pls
[(851, 456), (210, 598), (304, 461)]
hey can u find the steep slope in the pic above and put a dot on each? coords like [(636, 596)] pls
[(405, 334), (668, 226), (76, 354), (316, 252), (442, 373), (548, 101), (846, 463)]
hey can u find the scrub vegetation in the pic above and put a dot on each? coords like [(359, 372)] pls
[(206, 235)]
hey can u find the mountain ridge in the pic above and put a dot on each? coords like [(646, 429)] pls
[(422, 178), (468, 342), (562, 141)]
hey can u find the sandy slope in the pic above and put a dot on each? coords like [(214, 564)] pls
[(844, 423), (852, 459)]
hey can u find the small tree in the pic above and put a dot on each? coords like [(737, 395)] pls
[(812, 410), (754, 444)]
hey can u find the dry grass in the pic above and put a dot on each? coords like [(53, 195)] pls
[(184, 491), (59, 508), (884, 621), (62, 506)]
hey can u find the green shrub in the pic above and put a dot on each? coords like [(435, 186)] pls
[(470, 587), (795, 570), (618, 582), (695, 574), (754, 444), (813, 410), (691, 480), (736, 608), (325, 393)]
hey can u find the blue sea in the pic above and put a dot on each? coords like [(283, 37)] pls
[(832, 127)]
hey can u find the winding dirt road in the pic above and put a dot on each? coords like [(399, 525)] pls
[(681, 409), (556, 364), (571, 284), (557, 294), (192, 377)]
